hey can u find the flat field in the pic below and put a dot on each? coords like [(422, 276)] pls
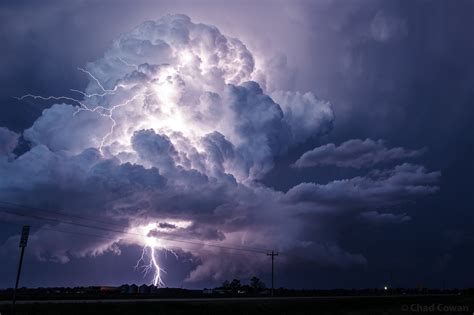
[(453, 304)]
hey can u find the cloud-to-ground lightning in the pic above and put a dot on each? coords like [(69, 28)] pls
[(148, 261), (173, 137)]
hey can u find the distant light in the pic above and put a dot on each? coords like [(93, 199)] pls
[(385, 288)]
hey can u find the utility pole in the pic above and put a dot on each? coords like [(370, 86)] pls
[(273, 254), (23, 241)]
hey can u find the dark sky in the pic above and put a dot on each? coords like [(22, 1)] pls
[(360, 208)]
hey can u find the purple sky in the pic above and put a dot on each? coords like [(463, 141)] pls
[(334, 132)]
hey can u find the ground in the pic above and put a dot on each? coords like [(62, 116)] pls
[(452, 304)]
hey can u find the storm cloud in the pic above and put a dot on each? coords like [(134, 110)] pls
[(176, 127)]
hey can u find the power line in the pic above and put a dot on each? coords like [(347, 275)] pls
[(12, 212), (95, 219), (61, 213), (80, 234), (40, 227)]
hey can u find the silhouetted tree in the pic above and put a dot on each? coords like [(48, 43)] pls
[(257, 284), (235, 285), (226, 284)]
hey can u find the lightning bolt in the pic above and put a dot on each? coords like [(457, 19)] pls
[(107, 112), (97, 81), (148, 262), (48, 98), (128, 64)]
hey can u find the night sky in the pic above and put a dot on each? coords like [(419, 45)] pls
[(198, 135)]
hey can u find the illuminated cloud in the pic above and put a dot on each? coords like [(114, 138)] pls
[(171, 138)]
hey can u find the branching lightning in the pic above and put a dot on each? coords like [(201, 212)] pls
[(97, 81), (152, 96), (148, 261), (100, 110), (128, 64)]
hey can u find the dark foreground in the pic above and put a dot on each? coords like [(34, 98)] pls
[(453, 304)]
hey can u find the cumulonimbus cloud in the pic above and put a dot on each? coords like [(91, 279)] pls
[(171, 132)]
